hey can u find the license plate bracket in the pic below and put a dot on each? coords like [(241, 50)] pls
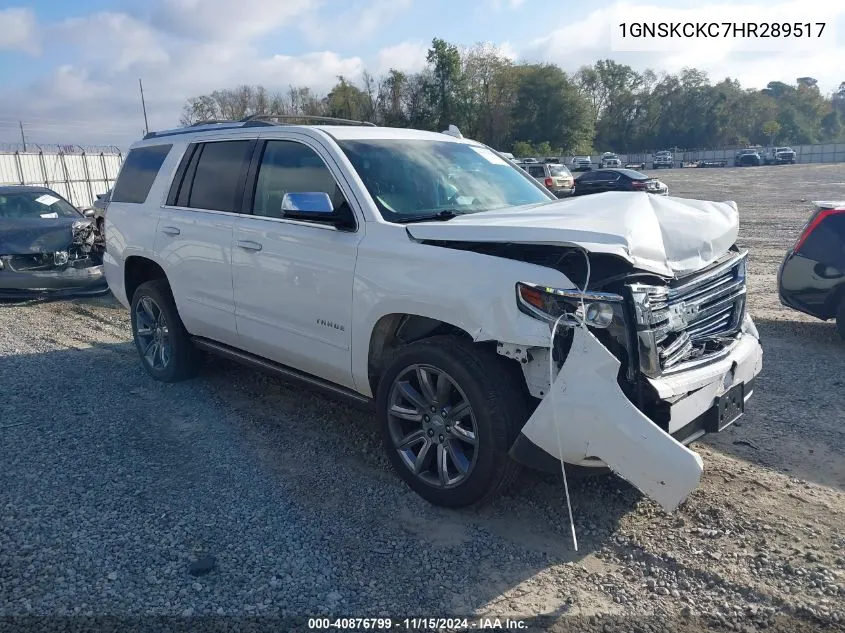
[(730, 407)]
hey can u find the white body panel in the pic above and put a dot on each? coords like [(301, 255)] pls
[(587, 415), (294, 296), (312, 296), (665, 235), (198, 263)]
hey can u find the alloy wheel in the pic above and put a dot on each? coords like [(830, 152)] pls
[(432, 426), (153, 333)]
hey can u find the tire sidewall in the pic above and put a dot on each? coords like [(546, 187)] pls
[(493, 439)]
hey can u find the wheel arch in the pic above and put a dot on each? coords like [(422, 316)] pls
[(138, 269), (393, 330)]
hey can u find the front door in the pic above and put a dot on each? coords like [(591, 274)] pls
[(293, 279)]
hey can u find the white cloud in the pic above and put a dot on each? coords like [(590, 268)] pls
[(502, 5), (17, 30), (356, 23), (589, 39), (407, 56), (229, 20), (130, 41)]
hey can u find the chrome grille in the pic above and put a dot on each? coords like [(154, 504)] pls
[(693, 319)]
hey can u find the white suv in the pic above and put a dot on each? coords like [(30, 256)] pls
[(487, 323)]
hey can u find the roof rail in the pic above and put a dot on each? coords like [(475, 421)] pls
[(212, 122), (258, 119)]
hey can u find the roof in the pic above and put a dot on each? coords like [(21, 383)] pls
[(340, 129), (24, 189)]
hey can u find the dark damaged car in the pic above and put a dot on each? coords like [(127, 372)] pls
[(47, 246)]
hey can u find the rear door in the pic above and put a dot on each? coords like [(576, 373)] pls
[(194, 239), (293, 279)]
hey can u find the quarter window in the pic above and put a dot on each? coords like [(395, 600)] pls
[(138, 173)]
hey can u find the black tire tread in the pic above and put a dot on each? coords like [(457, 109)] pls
[(840, 318)]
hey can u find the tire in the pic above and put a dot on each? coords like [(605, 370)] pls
[(840, 319), (153, 309), (497, 411)]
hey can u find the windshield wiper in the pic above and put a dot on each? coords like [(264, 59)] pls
[(445, 214)]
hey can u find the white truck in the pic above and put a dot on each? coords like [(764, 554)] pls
[(421, 274)]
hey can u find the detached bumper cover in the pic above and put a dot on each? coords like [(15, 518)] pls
[(587, 418), (89, 280)]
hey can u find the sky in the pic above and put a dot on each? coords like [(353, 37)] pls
[(70, 70)]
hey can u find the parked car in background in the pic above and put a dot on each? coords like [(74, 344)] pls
[(530, 160), (748, 158), (423, 276), (811, 278), (556, 178), (47, 245), (552, 160), (602, 180), (779, 156), (99, 206), (663, 159), (609, 159), (581, 163), (508, 155)]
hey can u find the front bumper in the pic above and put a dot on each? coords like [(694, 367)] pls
[(67, 281), (587, 420)]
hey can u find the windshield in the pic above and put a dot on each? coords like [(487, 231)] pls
[(559, 170), (411, 179), (35, 204)]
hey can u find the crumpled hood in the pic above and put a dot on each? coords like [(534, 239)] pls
[(661, 234), (21, 236)]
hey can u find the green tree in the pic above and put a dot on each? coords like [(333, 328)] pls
[(548, 107), (445, 61), (771, 129)]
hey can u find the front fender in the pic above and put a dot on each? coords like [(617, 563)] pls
[(471, 291)]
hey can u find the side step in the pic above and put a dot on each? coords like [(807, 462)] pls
[(282, 371)]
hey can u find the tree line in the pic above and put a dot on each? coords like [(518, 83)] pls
[(538, 109)]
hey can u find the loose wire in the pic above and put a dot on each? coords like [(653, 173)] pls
[(554, 401)]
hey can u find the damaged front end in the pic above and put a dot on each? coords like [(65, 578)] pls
[(640, 367), (62, 259)]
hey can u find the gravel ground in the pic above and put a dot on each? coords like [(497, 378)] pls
[(112, 486)]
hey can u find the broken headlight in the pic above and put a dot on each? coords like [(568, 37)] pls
[(604, 312), (597, 309)]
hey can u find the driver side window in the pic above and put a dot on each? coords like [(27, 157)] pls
[(291, 167)]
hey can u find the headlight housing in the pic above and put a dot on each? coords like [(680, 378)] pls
[(597, 309)]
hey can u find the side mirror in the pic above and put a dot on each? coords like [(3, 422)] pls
[(314, 206), (88, 213)]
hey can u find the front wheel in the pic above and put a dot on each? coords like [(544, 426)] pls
[(449, 412)]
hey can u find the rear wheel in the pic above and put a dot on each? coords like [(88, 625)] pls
[(449, 412), (163, 344)]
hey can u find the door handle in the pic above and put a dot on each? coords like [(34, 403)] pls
[(249, 245), (170, 230)]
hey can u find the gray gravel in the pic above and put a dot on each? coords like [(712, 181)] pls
[(113, 485)]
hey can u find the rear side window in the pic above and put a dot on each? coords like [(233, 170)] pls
[(138, 173), (218, 179), (536, 171)]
